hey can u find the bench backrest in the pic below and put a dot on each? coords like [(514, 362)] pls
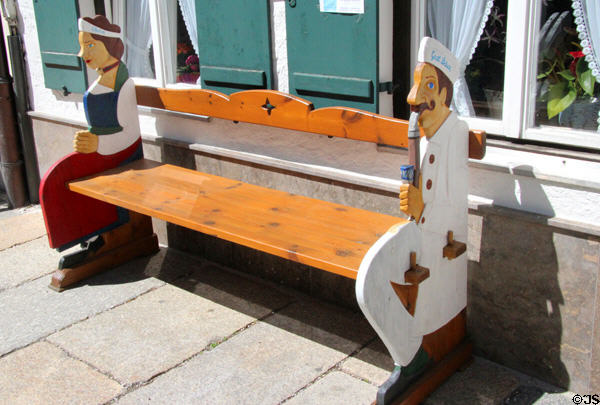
[(273, 108)]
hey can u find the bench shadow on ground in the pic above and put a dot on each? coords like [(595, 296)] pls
[(321, 322), (336, 327)]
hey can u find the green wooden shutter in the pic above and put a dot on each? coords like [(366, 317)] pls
[(234, 41), (333, 58), (58, 35)]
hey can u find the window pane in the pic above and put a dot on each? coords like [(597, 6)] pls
[(456, 24), (139, 55), (485, 72), (566, 92), (187, 63)]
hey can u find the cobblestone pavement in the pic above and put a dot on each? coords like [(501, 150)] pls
[(176, 329)]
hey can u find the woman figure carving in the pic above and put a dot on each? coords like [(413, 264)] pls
[(112, 139)]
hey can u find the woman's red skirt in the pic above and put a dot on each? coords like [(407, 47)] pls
[(71, 218)]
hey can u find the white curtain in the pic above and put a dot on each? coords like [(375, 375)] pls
[(188, 10), (587, 18), (138, 39), (458, 24)]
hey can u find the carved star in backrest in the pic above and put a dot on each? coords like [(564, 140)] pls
[(268, 106)]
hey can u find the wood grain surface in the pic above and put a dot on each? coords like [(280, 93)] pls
[(325, 235), (273, 108)]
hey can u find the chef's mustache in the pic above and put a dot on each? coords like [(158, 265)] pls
[(422, 107)]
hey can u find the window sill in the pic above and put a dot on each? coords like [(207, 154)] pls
[(40, 115), (175, 114), (330, 173), (570, 168), (151, 111)]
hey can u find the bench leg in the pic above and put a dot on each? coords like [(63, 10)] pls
[(128, 241), (443, 352), (436, 375)]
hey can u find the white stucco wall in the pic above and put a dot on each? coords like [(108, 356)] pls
[(564, 188)]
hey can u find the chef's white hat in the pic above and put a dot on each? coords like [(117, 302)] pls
[(432, 51)]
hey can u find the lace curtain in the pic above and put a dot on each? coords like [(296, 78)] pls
[(138, 38), (458, 24), (587, 19), (188, 10)]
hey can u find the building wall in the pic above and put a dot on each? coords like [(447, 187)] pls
[(533, 242)]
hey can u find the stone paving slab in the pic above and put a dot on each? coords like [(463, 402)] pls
[(266, 363), (373, 363), (22, 228), (219, 284), (335, 327), (481, 383), (44, 374), (336, 388), (26, 261), (32, 310), (261, 365), (532, 394), (560, 398), (150, 334), (169, 265)]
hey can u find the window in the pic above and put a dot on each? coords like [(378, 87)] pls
[(186, 38), (158, 42), (527, 78), (485, 72), (566, 91), (134, 19)]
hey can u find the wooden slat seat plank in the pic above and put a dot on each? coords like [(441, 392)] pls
[(321, 234)]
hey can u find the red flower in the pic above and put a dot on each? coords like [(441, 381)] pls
[(573, 66), (183, 48), (577, 54)]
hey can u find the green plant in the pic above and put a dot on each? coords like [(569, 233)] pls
[(565, 78)]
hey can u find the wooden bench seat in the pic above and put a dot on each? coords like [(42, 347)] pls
[(321, 234)]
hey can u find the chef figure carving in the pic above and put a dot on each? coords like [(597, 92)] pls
[(402, 314)]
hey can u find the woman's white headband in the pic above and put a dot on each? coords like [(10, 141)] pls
[(86, 26)]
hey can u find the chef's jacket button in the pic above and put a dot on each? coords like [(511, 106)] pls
[(423, 220), (431, 158), (429, 184)]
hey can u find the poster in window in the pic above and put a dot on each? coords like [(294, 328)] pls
[(343, 6)]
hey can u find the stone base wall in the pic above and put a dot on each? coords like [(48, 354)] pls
[(534, 297), (534, 288)]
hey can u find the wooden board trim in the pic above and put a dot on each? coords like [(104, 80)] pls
[(282, 110)]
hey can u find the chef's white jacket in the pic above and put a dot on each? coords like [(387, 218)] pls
[(445, 183)]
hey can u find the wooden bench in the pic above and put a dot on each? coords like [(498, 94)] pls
[(327, 236)]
